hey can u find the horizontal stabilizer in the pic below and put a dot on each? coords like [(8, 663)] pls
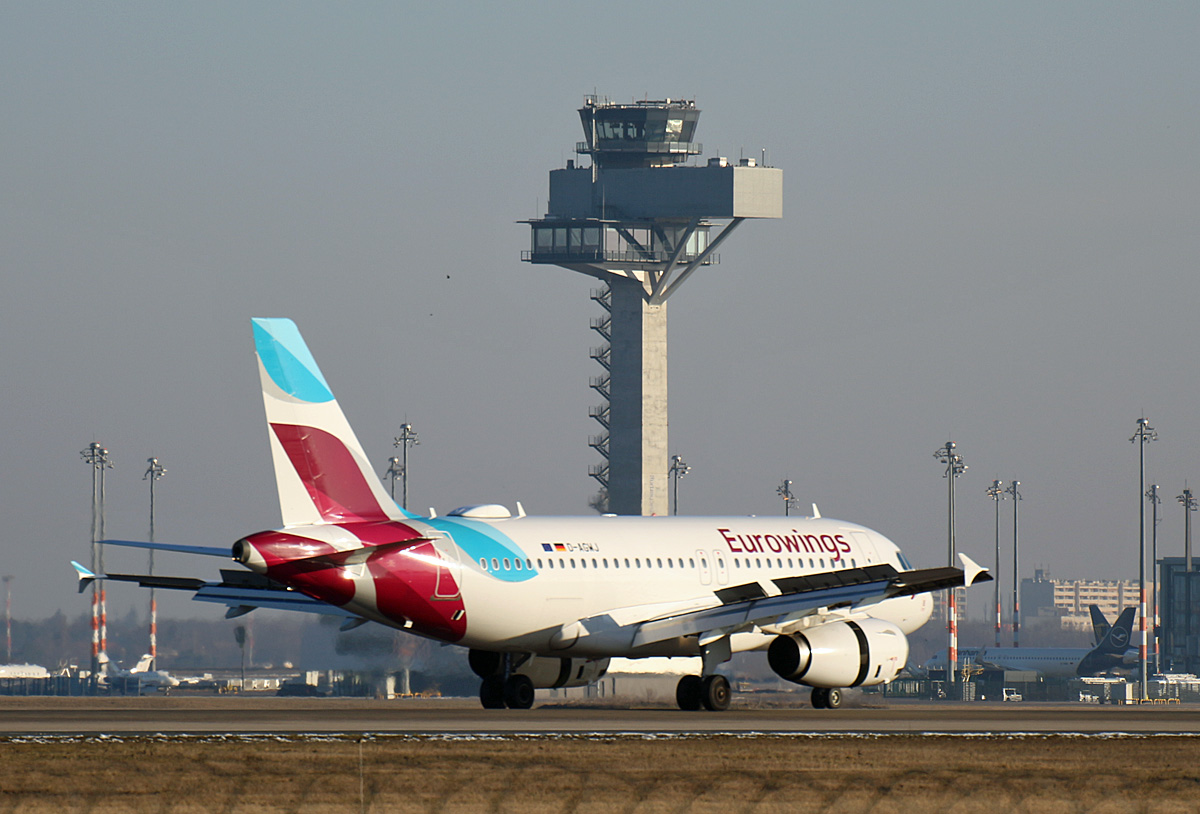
[(202, 550)]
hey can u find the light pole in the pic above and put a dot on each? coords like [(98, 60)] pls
[(154, 473), (1152, 496), (407, 438), (1189, 505), (96, 456), (996, 493), (677, 470), (394, 471), (8, 618), (1014, 490), (954, 469), (1144, 435), (789, 500)]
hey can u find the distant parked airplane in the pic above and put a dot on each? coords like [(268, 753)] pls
[(1110, 653), (140, 673), (547, 601)]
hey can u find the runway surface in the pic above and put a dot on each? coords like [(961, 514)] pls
[(204, 715)]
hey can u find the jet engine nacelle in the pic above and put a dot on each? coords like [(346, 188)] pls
[(858, 653), (544, 671)]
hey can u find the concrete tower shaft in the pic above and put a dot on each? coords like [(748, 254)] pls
[(641, 222)]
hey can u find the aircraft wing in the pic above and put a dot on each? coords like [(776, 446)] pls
[(241, 591), (743, 607)]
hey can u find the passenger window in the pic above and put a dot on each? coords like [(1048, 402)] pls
[(660, 562), (691, 562), (626, 562), (483, 563), (539, 562), (605, 561), (518, 564), (572, 562), (507, 564), (495, 564)]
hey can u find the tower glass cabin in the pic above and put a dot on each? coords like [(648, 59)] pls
[(641, 220)]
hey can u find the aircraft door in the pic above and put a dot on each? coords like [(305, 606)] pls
[(722, 570), (705, 568), (862, 542), (449, 569)]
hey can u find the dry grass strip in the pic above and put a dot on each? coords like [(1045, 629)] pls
[(725, 774)]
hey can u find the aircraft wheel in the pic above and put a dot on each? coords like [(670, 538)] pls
[(518, 692), (833, 698), (687, 693), (491, 693), (714, 693), (819, 698)]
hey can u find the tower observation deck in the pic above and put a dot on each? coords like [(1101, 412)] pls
[(641, 220)]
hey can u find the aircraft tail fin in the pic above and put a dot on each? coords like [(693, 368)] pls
[(322, 474), (144, 664), (1116, 641), (1100, 625), (1110, 653)]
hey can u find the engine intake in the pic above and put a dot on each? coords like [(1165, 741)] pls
[(859, 653)]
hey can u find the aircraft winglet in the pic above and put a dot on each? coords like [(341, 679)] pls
[(972, 570), (86, 577)]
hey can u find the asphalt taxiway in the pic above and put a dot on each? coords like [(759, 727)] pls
[(164, 715)]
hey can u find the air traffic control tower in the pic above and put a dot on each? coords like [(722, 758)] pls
[(642, 221)]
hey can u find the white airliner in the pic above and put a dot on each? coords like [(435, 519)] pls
[(1111, 653), (141, 673), (547, 601)]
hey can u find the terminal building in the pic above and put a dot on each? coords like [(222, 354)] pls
[(1064, 602), (1179, 615)]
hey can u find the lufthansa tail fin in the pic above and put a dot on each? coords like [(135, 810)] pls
[(1110, 653), (1116, 641), (1100, 625), (321, 471)]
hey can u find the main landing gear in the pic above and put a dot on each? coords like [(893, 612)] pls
[(826, 698), (514, 692), (711, 692)]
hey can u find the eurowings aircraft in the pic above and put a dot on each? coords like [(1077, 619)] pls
[(547, 601)]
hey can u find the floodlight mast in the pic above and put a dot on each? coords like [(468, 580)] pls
[(1013, 490), (996, 493), (789, 499), (954, 469), (1155, 500), (394, 471), (677, 470), (96, 456), (407, 438), (1189, 505), (154, 473), (1144, 435), (8, 617), (642, 224)]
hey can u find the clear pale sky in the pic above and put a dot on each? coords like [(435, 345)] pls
[(990, 235)]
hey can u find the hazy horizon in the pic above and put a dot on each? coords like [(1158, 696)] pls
[(989, 236)]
